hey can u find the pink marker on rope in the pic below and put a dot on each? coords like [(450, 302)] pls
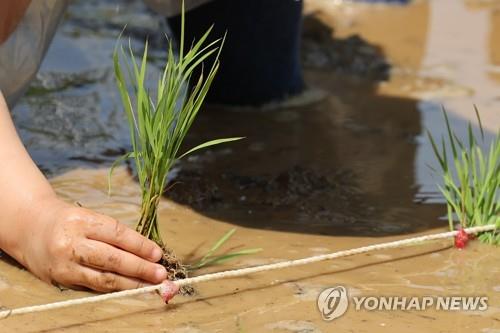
[(168, 290)]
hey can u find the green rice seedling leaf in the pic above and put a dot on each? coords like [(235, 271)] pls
[(450, 216), (450, 136), (209, 258), (473, 161), (208, 144), (459, 142), (436, 151), (478, 117), (183, 23), (225, 257), (452, 203), (219, 243), (445, 154), (472, 139), (195, 51)]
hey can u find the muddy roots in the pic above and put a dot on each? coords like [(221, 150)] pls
[(175, 270)]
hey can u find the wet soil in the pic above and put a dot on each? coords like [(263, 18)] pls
[(350, 55), (348, 170), (175, 269)]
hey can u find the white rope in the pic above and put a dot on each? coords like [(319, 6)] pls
[(241, 272)]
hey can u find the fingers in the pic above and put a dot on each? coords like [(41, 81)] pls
[(108, 230), (108, 258), (105, 281)]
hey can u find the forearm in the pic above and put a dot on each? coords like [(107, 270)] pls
[(59, 242), (22, 187)]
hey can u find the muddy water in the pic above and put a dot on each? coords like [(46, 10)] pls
[(345, 171)]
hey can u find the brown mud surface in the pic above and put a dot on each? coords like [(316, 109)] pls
[(346, 171)]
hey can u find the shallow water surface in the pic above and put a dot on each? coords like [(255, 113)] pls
[(345, 171)]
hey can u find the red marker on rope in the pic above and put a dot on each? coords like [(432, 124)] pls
[(461, 239), (168, 290)]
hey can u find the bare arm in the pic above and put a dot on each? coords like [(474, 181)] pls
[(21, 183), (61, 243)]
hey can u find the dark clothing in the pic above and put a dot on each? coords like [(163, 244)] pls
[(260, 58)]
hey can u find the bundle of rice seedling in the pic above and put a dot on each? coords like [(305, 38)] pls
[(159, 122), (471, 184)]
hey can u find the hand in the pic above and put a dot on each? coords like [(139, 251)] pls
[(61, 243), (76, 247)]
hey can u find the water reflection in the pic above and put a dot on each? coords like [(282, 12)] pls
[(463, 64)]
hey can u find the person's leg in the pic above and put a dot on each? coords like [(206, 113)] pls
[(260, 59)]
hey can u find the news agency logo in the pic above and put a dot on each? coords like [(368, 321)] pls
[(333, 303)]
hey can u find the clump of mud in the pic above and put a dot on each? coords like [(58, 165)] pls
[(352, 55), (195, 189), (298, 190)]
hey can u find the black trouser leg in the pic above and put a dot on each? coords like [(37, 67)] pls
[(260, 59)]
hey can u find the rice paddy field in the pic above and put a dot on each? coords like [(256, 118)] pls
[(344, 165)]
